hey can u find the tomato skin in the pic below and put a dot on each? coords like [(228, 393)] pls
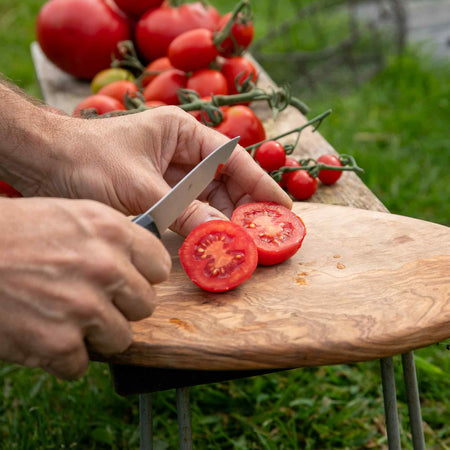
[(118, 89), (158, 65), (157, 28), (270, 155), (301, 185), (135, 8), (241, 36), (7, 190), (329, 177), (240, 120), (192, 50), (277, 232), (101, 103), (290, 162), (165, 86), (218, 242), (207, 82), (232, 67), (79, 36)]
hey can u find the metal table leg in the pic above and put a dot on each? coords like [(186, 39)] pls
[(184, 418), (390, 403), (145, 421), (412, 394)]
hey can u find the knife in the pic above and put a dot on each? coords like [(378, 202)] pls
[(164, 212)]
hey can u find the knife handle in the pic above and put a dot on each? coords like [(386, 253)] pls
[(145, 221)]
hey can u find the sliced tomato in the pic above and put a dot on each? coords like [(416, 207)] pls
[(277, 232), (218, 255)]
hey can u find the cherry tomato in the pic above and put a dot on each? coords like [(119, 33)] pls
[(135, 8), (165, 86), (107, 76), (270, 155), (277, 232), (301, 185), (79, 36), (101, 103), (158, 65), (157, 28), (205, 119), (118, 89), (7, 190), (218, 255), (290, 162), (240, 120), (241, 67), (241, 36), (192, 50), (329, 176), (207, 82)]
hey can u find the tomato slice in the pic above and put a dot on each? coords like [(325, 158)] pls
[(218, 255), (277, 232)]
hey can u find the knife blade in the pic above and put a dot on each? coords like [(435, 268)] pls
[(164, 212)]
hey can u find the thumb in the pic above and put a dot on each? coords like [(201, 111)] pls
[(195, 214)]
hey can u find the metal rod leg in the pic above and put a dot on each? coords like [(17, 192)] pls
[(390, 403), (184, 418), (412, 394), (146, 421)]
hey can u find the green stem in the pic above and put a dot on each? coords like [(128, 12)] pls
[(224, 33)]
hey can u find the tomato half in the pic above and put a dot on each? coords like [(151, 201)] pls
[(7, 190), (218, 255), (277, 232)]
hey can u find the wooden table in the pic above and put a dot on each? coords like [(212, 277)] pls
[(396, 265)]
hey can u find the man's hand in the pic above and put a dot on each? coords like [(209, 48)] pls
[(73, 274)]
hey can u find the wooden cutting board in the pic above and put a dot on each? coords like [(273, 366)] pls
[(364, 285)]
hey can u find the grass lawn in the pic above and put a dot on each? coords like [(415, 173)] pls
[(396, 125)]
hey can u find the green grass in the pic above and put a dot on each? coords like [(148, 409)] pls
[(396, 125)]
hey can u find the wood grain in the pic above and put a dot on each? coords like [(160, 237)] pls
[(364, 285)]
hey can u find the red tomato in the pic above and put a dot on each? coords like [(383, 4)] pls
[(165, 86), (233, 67), (218, 255), (277, 232), (201, 117), (241, 36), (301, 185), (118, 89), (135, 8), (154, 103), (158, 65), (101, 103), (157, 28), (290, 162), (329, 176), (79, 36), (192, 50), (208, 82), (241, 121), (7, 190), (270, 155)]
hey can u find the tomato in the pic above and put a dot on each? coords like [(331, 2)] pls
[(101, 103), (270, 155), (79, 36), (118, 89), (290, 162), (135, 8), (241, 35), (7, 190), (157, 28), (301, 185), (154, 103), (158, 65), (201, 115), (240, 120), (277, 232), (218, 255), (329, 176), (192, 50), (165, 86), (207, 82), (241, 67), (107, 76)]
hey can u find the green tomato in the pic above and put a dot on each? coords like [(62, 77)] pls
[(108, 76)]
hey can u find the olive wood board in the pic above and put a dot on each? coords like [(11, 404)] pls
[(364, 285)]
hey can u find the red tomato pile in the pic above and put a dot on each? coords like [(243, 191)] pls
[(219, 255)]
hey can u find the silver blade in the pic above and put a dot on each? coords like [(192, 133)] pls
[(168, 208)]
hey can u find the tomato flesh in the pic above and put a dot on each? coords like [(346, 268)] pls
[(218, 255), (277, 232)]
